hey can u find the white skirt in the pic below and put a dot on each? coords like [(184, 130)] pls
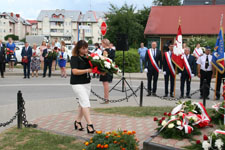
[(82, 92)]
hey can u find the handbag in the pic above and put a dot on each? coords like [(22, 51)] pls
[(24, 60)]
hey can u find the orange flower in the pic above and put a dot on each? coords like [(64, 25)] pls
[(86, 143), (129, 132), (99, 146), (115, 134), (99, 132), (134, 132), (91, 141), (102, 146), (124, 130), (123, 148), (115, 142), (106, 136), (118, 136), (106, 146)]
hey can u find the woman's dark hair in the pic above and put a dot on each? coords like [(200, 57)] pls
[(97, 44), (80, 44)]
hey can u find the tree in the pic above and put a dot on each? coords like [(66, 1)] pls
[(167, 2), (14, 37), (124, 21)]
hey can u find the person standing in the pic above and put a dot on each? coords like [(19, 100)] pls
[(57, 44), (80, 81), (186, 75), (2, 59), (47, 54), (152, 59), (142, 51), (42, 47), (205, 71), (98, 51), (198, 51), (35, 60), (62, 61), (168, 71), (26, 59), (11, 58)]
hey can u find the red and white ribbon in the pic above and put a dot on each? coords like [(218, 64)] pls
[(196, 51), (187, 67), (154, 64), (219, 132), (169, 63), (204, 112)]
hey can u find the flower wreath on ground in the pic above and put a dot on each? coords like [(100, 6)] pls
[(115, 140), (215, 141), (183, 121), (101, 64), (218, 113)]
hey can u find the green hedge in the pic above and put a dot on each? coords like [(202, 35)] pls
[(132, 60)]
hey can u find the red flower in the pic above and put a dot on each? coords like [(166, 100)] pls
[(95, 70), (165, 113), (108, 60), (169, 114), (205, 138), (116, 66), (198, 142), (94, 54), (160, 121), (163, 118), (155, 119)]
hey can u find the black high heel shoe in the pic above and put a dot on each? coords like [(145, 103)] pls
[(93, 130), (76, 127)]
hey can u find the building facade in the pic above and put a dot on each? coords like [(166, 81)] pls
[(34, 27), (203, 2)]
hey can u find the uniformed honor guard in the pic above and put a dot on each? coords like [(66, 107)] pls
[(152, 59), (205, 70), (168, 71), (188, 72)]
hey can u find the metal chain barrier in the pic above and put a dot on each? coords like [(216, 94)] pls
[(10, 121), (115, 101)]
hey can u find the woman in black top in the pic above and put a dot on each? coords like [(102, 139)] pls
[(80, 81)]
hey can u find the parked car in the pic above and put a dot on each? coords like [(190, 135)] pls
[(18, 53), (91, 47)]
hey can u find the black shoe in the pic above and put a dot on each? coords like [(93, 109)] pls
[(171, 95), (207, 98), (24, 77), (153, 94), (43, 76), (76, 126), (188, 96), (165, 95), (92, 131), (149, 94), (181, 97), (28, 77), (2, 77)]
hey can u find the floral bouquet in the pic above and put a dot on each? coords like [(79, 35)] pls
[(218, 113), (55, 53), (213, 142), (120, 140), (183, 121), (101, 64)]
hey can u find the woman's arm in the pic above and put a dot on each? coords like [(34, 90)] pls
[(81, 71)]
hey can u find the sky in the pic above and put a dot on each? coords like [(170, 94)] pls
[(29, 9)]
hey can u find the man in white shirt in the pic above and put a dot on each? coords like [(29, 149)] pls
[(205, 71)]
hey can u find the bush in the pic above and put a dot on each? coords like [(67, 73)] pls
[(14, 37), (132, 60)]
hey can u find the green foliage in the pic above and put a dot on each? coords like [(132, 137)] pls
[(90, 42), (132, 60), (120, 140), (192, 42), (218, 116), (13, 36), (167, 2), (125, 20), (23, 40)]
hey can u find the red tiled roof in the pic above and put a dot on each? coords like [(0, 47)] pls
[(32, 21), (195, 20)]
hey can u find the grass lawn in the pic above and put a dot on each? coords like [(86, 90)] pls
[(137, 111), (33, 139)]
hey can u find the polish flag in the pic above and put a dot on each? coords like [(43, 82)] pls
[(177, 55)]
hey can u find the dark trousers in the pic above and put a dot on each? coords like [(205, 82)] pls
[(2, 69), (152, 75), (219, 79), (208, 76), (166, 77), (47, 65), (26, 69), (185, 78), (4, 66)]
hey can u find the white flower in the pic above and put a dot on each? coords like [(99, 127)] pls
[(206, 145), (96, 57), (195, 119), (178, 123), (107, 64), (180, 114), (164, 123), (171, 125), (173, 117), (219, 144)]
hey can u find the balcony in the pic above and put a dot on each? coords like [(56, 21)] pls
[(56, 27)]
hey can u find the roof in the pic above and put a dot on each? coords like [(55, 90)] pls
[(15, 19), (202, 2), (195, 20), (32, 21), (73, 14), (91, 16)]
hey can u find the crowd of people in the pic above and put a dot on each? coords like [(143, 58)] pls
[(154, 62)]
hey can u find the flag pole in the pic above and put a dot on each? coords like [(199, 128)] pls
[(174, 90)]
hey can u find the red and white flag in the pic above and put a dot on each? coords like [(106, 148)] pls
[(177, 55)]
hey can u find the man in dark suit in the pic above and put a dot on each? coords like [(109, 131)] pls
[(167, 72), (26, 59), (153, 69), (2, 59), (184, 76), (47, 54)]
